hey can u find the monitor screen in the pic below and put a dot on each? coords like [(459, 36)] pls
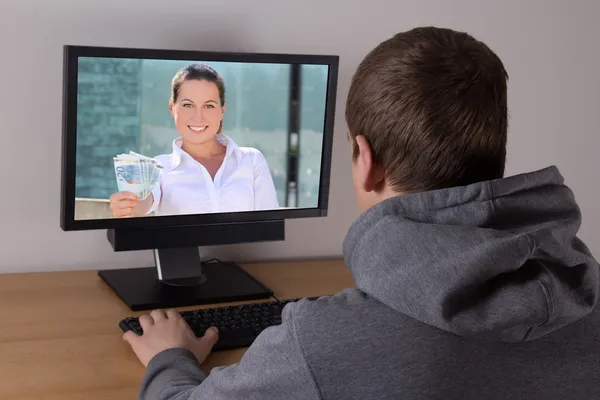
[(158, 137)]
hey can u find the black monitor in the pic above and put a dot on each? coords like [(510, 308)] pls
[(171, 150)]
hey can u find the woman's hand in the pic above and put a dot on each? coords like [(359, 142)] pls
[(123, 204)]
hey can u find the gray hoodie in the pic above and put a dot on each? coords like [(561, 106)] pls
[(476, 292)]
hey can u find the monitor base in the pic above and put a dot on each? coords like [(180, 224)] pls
[(219, 282)]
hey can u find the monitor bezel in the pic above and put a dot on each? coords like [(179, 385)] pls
[(69, 137)]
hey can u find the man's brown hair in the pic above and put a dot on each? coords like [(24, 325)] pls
[(432, 104)]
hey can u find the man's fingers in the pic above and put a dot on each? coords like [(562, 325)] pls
[(158, 315), (146, 322), (211, 336), (172, 314), (130, 337)]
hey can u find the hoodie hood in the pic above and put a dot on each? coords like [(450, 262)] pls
[(497, 260)]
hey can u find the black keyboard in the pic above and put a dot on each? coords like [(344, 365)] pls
[(238, 325)]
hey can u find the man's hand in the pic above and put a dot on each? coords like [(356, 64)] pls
[(167, 330)]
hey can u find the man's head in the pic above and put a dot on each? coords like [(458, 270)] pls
[(427, 109)]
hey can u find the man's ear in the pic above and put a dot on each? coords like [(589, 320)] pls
[(371, 176)]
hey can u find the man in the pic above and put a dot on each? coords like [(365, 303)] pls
[(470, 285)]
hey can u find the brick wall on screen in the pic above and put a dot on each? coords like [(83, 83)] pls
[(108, 121)]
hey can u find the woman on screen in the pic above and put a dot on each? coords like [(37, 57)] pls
[(206, 172)]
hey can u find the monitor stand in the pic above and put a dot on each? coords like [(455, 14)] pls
[(180, 279)]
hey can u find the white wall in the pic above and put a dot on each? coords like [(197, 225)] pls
[(548, 47)]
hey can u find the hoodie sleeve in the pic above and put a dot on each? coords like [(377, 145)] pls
[(273, 368)]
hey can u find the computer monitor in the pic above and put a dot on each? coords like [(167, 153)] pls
[(171, 150)]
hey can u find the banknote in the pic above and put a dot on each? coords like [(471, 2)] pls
[(137, 173)]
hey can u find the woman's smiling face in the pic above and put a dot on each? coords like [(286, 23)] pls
[(197, 111)]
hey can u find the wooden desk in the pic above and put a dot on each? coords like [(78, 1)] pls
[(60, 340)]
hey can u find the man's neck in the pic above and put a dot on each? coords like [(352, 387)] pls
[(377, 197)]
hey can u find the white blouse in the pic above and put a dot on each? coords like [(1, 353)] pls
[(242, 183)]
